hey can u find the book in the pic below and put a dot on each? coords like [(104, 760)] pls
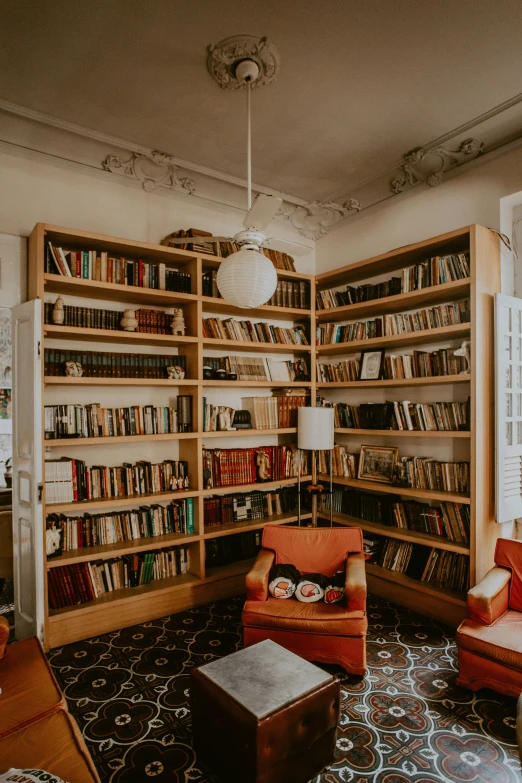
[(229, 467), (246, 331)]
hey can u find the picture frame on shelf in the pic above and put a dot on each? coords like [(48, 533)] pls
[(377, 463), (372, 365)]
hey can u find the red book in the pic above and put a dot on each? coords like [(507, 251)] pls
[(140, 273)]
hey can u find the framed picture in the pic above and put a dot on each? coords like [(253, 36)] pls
[(377, 463), (372, 365)]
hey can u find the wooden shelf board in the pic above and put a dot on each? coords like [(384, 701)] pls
[(63, 380), (157, 586), (260, 485), (115, 336), (103, 551), (114, 292), (156, 497), (389, 531), (66, 442), (375, 486), (427, 336), (438, 380), (260, 384), (415, 584), (217, 531), (243, 433), (395, 304), (226, 571), (405, 433), (212, 304), (245, 345)]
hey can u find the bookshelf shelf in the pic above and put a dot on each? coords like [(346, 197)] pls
[(115, 336), (240, 345), (251, 487), (258, 384), (62, 380), (238, 568), (104, 551), (114, 292), (426, 336), (212, 304), (416, 585), (245, 433), (391, 489), (436, 380), (425, 297), (107, 440), (216, 531), (414, 537), (117, 502), (405, 433)]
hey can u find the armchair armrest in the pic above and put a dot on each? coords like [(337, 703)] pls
[(4, 634), (257, 577), (489, 599), (355, 582)]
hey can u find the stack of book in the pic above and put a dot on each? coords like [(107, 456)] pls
[(347, 371), (68, 480), (98, 265), (422, 364), (85, 317), (247, 506), (224, 249), (274, 412), (395, 555), (343, 463), (112, 365), (153, 321), (447, 569), (127, 525), (246, 331), (251, 368), (93, 421), (435, 416), (229, 467), (371, 546), (396, 323), (434, 271), (428, 473), (83, 582), (230, 549)]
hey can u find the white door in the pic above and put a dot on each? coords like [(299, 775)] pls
[(28, 535), (508, 400)]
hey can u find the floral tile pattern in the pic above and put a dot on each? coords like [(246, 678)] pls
[(407, 721)]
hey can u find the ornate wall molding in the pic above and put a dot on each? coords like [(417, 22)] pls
[(314, 220), (429, 166), (224, 56), (153, 169)]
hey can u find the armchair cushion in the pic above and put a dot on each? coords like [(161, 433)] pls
[(500, 642), (508, 553), (282, 581), (317, 618), (312, 550), (489, 599)]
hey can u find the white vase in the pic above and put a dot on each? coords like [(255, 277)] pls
[(58, 312), (129, 323)]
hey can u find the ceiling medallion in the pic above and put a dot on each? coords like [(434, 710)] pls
[(224, 57)]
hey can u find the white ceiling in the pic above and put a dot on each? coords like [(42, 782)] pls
[(361, 81)]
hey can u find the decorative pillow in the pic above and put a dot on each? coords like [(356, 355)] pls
[(29, 776), (310, 588), (334, 591), (282, 580)]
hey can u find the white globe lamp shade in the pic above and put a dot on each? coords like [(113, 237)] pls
[(247, 278)]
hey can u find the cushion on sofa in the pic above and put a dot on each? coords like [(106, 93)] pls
[(501, 642), (316, 618), (508, 554)]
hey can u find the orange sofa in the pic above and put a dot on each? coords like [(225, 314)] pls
[(36, 731), (490, 640), (330, 633)]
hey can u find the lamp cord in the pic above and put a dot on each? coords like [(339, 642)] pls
[(249, 147)]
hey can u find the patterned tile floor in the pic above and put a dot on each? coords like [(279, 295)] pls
[(406, 721)]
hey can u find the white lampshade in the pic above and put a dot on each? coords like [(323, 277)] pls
[(247, 278), (315, 428)]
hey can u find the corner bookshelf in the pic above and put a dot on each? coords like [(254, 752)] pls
[(475, 445), (126, 606)]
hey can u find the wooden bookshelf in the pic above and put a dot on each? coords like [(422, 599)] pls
[(405, 433), (392, 489), (435, 380), (426, 336), (252, 347), (113, 336)]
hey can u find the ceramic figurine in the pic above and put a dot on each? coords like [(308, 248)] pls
[(464, 351), (73, 369), (225, 420), (129, 322), (178, 322), (262, 465), (58, 312), (175, 372), (53, 540)]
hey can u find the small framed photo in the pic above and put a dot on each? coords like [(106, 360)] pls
[(377, 463), (372, 365)]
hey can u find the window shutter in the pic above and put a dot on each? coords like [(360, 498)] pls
[(508, 399)]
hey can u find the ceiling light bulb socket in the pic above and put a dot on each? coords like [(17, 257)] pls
[(247, 71)]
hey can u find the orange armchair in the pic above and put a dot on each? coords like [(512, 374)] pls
[(330, 633), (490, 640)]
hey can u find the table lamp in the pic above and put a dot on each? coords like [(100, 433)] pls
[(315, 432)]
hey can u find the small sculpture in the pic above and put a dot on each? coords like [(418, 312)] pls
[(53, 541), (464, 351), (73, 369), (263, 466), (58, 312), (207, 479), (175, 372), (129, 322), (178, 322), (225, 419)]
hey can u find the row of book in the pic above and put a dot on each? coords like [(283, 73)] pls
[(433, 271), (395, 323), (248, 506), (405, 415), (419, 364), (246, 331), (436, 567), (287, 294), (251, 368), (99, 266), (273, 412), (446, 519), (230, 467), (149, 321), (84, 582), (96, 364), (229, 549), (223, 249), (133, 524), (69, 480), (93, 421)]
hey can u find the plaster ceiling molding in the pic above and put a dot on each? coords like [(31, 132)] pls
[(314, 220), (429, 166), (153, 169), (224, 57)]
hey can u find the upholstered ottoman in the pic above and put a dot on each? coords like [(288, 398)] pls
[(264, 715)]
